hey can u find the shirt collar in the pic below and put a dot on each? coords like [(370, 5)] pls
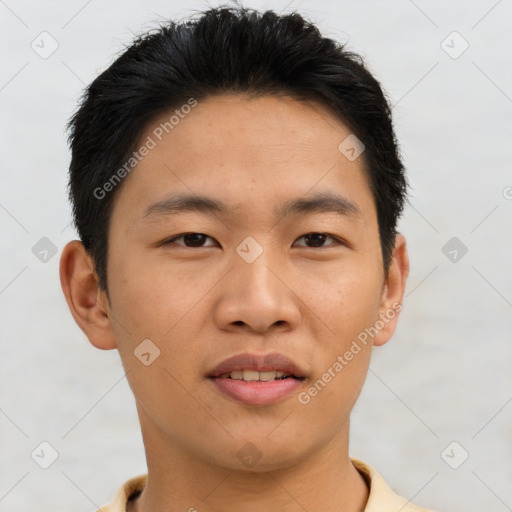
[(381, 497)]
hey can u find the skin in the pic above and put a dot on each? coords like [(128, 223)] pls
[(203, 303)]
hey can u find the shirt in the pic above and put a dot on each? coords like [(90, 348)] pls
[(381, 498)]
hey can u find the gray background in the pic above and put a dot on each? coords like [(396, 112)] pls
[(444, 377)]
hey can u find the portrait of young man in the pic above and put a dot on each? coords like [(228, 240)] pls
[(236, 184)]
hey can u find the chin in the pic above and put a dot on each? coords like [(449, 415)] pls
[(260, 454)]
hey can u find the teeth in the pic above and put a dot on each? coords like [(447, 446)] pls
[(252, 375)]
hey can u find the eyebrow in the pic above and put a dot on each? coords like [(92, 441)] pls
[(323, 202)]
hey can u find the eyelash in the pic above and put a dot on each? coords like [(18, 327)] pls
[(337, 240)]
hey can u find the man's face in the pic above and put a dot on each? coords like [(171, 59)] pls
[(249, 282)]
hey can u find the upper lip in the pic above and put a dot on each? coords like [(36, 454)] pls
[(273, 361)]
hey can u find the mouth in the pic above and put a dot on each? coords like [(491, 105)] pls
[(255, 376), (255, 379)]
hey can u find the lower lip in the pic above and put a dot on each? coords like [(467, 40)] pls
[(257, 392)]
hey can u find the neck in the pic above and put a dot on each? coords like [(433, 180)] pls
[(179, 481)]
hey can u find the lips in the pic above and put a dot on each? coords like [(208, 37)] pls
[(255, 379), (262, 363)]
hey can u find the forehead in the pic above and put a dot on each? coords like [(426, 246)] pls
[(262, 150)]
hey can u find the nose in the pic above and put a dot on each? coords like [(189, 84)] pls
[(258, 297)]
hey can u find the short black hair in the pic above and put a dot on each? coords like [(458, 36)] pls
[(228, 49)]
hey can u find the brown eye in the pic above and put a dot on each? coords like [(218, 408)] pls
[(316, 240), (189, 240)]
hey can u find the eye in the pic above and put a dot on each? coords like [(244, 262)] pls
[(196, 240), (190, 240), (317, 240)]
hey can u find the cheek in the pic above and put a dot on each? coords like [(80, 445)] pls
[(346, 301), (160, 304), (347, 304), (330, 397), (151, 298)]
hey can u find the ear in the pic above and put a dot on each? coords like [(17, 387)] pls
[(87, 302), (393, 292)]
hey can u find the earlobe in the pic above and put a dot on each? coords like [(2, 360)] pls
[(86, 301), (393, 293)]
